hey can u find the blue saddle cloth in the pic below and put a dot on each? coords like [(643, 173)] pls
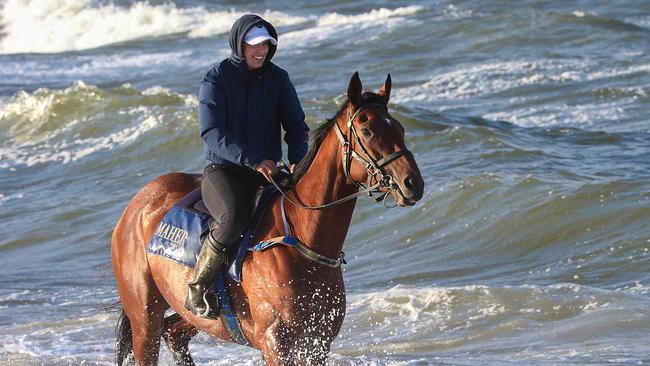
[(178, 235)]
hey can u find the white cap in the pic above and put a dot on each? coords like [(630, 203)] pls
[(257, 35)]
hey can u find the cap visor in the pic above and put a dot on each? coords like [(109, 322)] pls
[(259, 39)]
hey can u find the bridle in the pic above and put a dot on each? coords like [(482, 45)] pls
[(374, 168)]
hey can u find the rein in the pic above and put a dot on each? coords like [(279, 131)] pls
[(374, 168)]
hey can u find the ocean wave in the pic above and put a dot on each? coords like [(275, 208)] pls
[(336, 19), (125, 65), (328, 26), (46, 26), (66, 152), (68, 125), (519, 84), (579, 115), (642, 21), (609, 22), (404, 319), (490, 78), (37, 116)]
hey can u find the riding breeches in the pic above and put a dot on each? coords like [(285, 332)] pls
[(228, 191)]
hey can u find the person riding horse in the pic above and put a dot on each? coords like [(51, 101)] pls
[(243, 103)]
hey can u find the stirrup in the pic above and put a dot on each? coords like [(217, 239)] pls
[(207, 307), (210, 312)]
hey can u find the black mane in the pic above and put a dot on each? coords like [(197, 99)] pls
[(318, 135)]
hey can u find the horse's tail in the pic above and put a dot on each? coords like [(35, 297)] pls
[(124, 341)]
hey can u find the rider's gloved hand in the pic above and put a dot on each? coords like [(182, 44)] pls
[(267, 168)]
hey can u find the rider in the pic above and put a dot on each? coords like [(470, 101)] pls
[(243, 103)]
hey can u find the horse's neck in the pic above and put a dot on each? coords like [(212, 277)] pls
[(324, 230)]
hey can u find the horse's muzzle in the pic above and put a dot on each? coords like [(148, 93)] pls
[(411, 190)]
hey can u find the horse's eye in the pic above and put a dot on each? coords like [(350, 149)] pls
[(366, 132)]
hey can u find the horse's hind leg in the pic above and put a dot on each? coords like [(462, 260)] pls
[(146, 318), (124, 343), (177, 335), (142, 302)]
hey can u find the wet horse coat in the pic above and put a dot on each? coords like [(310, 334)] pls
[(289, 307)]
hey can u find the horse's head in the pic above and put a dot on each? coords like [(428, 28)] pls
[(377, 151)]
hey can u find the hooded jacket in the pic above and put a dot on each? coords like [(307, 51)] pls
[(241, 111)]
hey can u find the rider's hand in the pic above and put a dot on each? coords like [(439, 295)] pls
[(267, 168)]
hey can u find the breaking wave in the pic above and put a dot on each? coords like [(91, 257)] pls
[(50, 26)]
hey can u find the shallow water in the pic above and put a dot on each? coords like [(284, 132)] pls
[(529, 123)]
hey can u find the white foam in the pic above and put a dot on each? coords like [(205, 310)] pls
[(488, 78), (639, 21), (66, 152), (33, 117), (5, 198), (328, 26), (475, 82), (583, 115), (120, 65), (582, 14), (456, 13), (13, 296), (42, 137), (618, 72), (449, 308), (62, 25), (28, 117), (369, 18)]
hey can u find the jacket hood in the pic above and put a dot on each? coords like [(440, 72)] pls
[(239, 30)]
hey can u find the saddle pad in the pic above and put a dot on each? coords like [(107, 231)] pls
[(178, 235)]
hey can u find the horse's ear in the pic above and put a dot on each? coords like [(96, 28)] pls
[(354, 90), (384, 91)]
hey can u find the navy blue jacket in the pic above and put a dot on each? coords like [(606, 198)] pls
[(241, 112)]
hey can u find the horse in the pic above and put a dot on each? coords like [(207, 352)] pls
[(290, 307)]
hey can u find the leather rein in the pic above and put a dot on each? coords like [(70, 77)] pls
[(374, 168)]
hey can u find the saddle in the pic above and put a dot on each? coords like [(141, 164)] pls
[(179, 234)]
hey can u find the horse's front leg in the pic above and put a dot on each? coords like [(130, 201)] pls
[(284, 347), (274, 347)]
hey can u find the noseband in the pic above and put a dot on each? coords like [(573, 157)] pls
[(374, 168)]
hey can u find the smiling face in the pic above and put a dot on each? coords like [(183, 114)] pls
[(255, 55)]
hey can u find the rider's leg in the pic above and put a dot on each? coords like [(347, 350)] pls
[(226, 194)]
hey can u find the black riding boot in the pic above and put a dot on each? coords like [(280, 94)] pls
[(208, 264)]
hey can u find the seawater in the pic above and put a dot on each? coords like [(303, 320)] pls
[(529, 121)]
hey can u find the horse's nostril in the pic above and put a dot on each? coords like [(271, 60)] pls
[(408, 183)]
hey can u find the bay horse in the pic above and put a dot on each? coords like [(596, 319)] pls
[(289, 306)]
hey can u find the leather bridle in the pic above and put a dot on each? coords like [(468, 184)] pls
[(374, 168)]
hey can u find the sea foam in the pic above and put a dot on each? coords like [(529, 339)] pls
[(50, 26), (68, 125), (331, 26)]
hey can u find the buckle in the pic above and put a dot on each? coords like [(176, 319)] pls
[(387, 181)]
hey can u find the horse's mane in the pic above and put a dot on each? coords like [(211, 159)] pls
[(318, 135)]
